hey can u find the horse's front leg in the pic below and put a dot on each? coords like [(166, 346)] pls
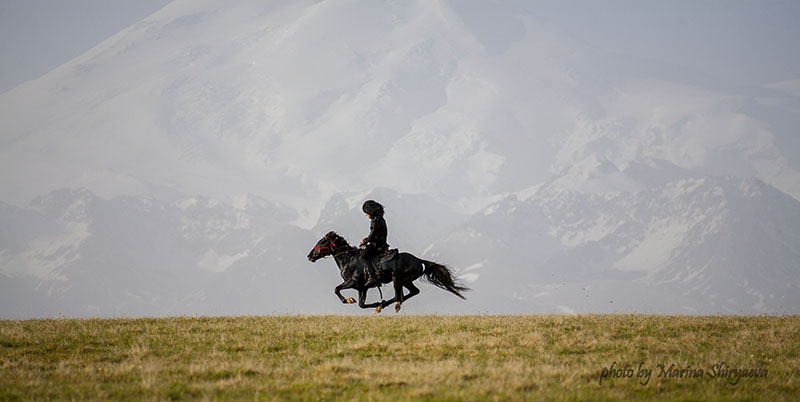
[(345, 285), (362, 301)]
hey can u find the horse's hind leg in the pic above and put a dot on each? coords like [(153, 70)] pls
[(412, 290), (362, 300), (408, 269), (398, 294), (383, 303)]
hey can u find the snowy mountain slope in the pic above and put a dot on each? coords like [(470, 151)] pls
[(72, 252), (131, 255), (202, 98), (695, 130), (698, 245)]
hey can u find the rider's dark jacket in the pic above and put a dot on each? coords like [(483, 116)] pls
[(377, 233)]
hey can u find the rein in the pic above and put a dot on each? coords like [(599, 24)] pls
[(337, 254)]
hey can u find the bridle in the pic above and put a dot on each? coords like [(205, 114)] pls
[(333, 252)]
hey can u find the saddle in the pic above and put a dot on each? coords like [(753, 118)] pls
[(385, 261)]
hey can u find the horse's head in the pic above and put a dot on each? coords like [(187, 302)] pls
[(326, 246)]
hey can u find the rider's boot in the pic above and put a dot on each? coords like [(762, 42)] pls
[(373, 275)]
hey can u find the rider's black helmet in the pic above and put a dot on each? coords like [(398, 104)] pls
[(372, 208)]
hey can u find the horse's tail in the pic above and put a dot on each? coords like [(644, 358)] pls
[(442, 277)]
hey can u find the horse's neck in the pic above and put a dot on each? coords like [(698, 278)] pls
[(344, 258)]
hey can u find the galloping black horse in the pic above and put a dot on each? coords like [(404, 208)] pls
[(407, 269)]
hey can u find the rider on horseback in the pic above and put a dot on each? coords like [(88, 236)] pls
[(375, 242)]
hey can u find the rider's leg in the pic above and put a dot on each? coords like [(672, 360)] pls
[(373, 275)]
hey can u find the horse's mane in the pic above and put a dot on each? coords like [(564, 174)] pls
[(338, 237)]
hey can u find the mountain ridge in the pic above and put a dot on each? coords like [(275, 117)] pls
[(703, 243)]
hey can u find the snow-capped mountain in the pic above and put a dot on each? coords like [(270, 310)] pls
[(297, 101), (704, 132), (75, 253), (552, 175), (698, 245)]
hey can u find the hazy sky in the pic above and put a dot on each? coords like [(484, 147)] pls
[(37, 36), (749, 42), (755, 42)]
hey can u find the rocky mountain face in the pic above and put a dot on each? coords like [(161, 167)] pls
[(699, 246), (72, 252)]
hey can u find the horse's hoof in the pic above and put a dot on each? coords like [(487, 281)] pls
[(378, 310), (350, 301), (397, 308)]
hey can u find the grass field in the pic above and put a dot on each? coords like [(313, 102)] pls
[(402, 357)]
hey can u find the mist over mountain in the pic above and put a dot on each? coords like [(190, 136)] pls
[(188, 163)]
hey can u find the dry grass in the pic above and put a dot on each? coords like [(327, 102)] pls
[(400, 357)]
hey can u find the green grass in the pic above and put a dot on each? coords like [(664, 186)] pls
[(548, 357)]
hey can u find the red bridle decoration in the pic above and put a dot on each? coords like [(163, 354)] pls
[(319, 249)]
